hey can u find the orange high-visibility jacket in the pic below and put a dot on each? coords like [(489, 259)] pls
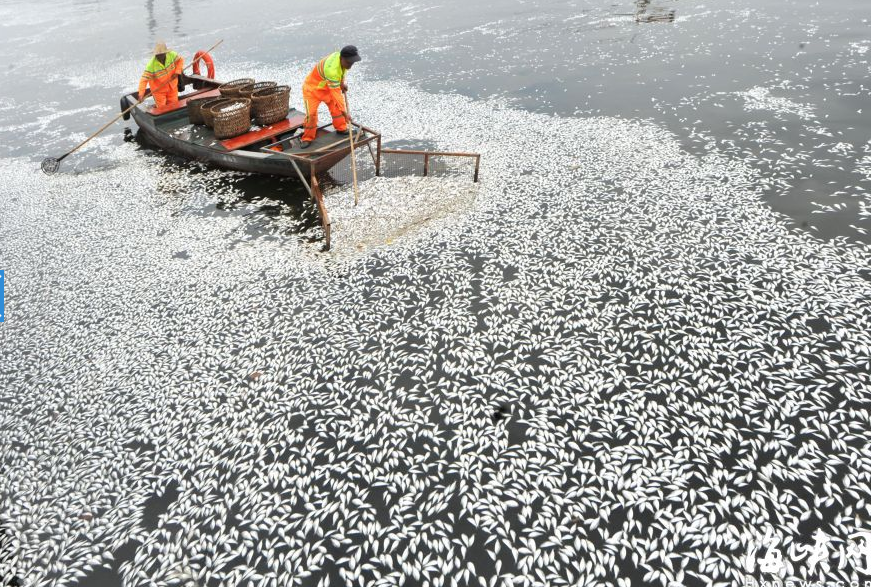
[(328, 74), (157, 74)]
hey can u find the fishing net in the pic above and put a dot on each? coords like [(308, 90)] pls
[(399, 163), (50, 165), (371, 161), (342, 173)]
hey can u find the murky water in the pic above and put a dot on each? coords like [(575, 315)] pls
[(641, 343)]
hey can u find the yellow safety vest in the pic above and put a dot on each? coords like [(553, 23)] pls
[(331, 72), (155, 70)]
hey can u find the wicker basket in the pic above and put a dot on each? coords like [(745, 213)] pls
[(194, 107), (232, 118), (271, 105), (234, 88), (244, 91), (264, 85), (206, 110)]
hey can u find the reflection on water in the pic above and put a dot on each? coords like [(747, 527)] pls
[(152, 19), (644, 12), (176, 10), (152, 23)]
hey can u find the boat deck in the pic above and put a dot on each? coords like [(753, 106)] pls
[(325, 140), (266, 133), (177, 125), (172, 120)]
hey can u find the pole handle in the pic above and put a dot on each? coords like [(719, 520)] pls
[(353, 153)]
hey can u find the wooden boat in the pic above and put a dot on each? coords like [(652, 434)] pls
[(170, 129), (273, 149)]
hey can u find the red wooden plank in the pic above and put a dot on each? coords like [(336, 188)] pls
[(267, 132), (158, 110)]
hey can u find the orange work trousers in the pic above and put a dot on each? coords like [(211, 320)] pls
[(312, 95), (166, 95)]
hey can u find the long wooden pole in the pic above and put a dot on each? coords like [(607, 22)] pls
[(353, 153), (114, 120)]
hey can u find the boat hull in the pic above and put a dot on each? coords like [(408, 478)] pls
[(249, 161)]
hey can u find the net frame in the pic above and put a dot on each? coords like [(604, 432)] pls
[(331, 165), (50, 165)]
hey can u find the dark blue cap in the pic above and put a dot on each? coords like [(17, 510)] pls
[(350, 53)]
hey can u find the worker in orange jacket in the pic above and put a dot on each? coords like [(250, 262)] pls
[(326, 83), (161, 75)]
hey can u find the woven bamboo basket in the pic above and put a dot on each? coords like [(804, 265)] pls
[(244, 91), (232, 89), (264, 85), (194, 107), (206, 110), (247, 91), (232, 118), (271, 105)]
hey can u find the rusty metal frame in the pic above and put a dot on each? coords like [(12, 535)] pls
[(323, 126), (313, 158), (426, 155), (377, 159), (318, 196)]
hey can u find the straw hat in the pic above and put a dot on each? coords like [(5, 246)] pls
[(160, 47)]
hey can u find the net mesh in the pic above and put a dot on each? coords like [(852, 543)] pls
[(342, 174), (50, 165), (392, 163), (399, 164)]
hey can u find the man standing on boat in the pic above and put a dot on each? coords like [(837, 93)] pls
[(159, 74), (326, 83)]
